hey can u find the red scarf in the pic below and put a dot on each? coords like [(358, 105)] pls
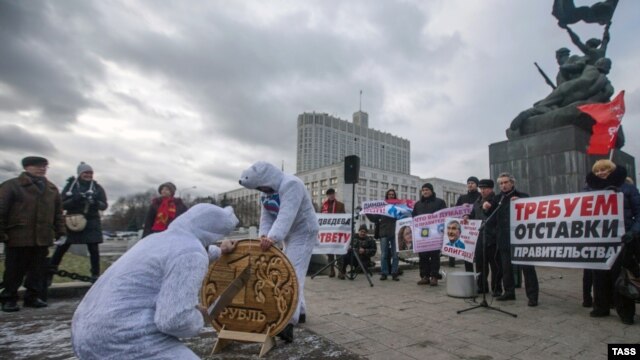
[(326, 209), (166, 213)]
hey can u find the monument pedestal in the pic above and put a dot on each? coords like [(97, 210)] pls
[(554, 161)]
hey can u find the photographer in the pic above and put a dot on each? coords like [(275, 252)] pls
[(366, 248), (83, 195)]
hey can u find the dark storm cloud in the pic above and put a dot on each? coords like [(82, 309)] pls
[(7, 166), (13, 137), (42, 63), (242, 73)]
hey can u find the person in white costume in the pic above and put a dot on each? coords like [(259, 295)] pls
[(288, 217), (148, 298)]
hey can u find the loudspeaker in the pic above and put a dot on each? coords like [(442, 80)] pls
[(351, 169)]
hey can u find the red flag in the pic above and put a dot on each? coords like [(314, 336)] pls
[(605, 131)]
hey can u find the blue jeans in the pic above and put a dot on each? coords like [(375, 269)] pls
[(384, 255)]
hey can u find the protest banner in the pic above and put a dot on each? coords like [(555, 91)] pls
[(395, 208), (404, 235), (428, 229), (581, 230), (334, 236), (461, 238)]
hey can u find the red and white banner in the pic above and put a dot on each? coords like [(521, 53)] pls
[(581, 230), (334, 236), (395, 208)]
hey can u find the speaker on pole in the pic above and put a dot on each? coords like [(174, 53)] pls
[(351, 169)]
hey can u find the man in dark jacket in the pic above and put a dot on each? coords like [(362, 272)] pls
[(332, 206), (366, 248), (30, 218), (469, 198), (429, 260), (500, 223), (486, 255)]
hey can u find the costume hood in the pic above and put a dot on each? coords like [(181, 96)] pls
[(262, 173), (208, 223)]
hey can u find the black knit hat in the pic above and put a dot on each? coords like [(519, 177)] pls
[(474, 179), (168, 185), (363, 227), (428, 186), (486, 183), (34, 160), (330, 191)]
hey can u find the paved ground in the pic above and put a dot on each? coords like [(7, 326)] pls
[(401, 320), (392, 320), (45, 334)]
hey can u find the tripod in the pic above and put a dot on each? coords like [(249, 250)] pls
[(483, 303), (365, 271)]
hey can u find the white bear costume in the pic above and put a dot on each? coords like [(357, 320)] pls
[(293, 222), (147, 299)]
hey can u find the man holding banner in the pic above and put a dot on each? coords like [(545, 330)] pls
[(429, 260), (332, 206), (501, 222)]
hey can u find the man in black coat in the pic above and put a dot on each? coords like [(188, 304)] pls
[(429, 260), (469, 198), (500, 223), (486, 255)]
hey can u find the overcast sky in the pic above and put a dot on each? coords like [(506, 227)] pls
[(195, 91)]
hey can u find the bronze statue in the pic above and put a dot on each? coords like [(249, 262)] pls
[(567, 13), (580, 79)]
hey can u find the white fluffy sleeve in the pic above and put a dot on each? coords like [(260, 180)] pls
[(176, 312), (266, 221), (291, 195), (214, 252)]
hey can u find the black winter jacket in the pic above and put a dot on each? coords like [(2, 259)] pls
[(501, 222), (428, 205), (468, 198), (478, 213), (79, 195)]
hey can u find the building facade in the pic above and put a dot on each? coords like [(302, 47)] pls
[(323, 143), (325, 140), (372, 185)]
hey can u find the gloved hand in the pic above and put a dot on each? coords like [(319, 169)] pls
[(90, 196), (628, 237)]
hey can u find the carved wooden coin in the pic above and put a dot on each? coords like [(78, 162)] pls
[(269, 298)]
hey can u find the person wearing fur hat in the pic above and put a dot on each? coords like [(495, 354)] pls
[(606, 175), (287, 218), (163, 210), (83, 195), (429, 260), (148, 299), (486, 255), (30, 218), (470, 197)]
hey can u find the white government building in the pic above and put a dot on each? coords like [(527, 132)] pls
[(323, 143)]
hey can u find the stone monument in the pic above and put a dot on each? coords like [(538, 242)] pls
[(547, 143)]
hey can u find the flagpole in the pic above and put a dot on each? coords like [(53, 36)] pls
[(611, 154)]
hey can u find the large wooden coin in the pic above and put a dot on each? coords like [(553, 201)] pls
[(269, 298)]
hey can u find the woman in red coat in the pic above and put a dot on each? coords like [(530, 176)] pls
[(163, 210)]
